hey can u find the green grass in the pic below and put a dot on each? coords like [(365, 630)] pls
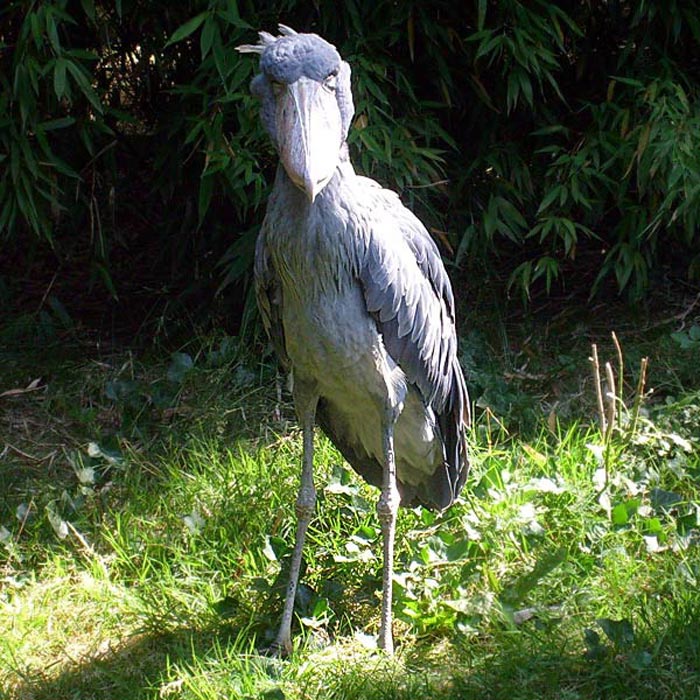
[(147, 514)]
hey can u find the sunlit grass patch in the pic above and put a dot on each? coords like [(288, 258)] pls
[(65, 616)]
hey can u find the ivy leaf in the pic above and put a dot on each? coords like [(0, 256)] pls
[(180, 365), (619, 632)]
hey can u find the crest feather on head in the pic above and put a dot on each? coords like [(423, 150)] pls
[(266, 39)]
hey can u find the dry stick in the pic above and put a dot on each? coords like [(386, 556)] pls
[(598, 388), (87, 551), (639, 395), (25, 517), (621, 369), (612, 407), (612, 400)]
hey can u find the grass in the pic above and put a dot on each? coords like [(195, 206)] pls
[(147, 514)]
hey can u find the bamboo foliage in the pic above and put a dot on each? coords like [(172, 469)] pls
[(563, 135)]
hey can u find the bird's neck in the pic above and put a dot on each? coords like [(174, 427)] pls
[(307, 239)]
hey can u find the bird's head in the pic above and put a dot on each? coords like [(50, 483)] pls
[(304, 87)]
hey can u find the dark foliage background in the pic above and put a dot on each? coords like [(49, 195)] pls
[(555, 144)]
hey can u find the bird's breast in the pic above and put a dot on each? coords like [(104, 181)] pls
[(334, 343), (328, 330)]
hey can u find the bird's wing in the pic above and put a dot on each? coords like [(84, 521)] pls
[(407, 290), (268, 293)]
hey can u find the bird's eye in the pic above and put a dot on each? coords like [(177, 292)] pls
[(331, 81)]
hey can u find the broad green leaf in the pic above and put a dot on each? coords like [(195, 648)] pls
[(60, 123), (89, 8), (180, 365), (515, 593), (84, 84), (207, 36), (619, 632), (619, 514), (457, 550), (187, 28), (59, 77)]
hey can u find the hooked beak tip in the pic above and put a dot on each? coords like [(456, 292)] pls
[(313, 188), (311, 191)]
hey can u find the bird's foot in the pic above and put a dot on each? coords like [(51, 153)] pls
[(279, 649)]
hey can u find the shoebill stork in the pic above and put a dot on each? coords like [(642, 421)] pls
[(357, 303)]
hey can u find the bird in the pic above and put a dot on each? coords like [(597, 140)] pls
[(356, 301)]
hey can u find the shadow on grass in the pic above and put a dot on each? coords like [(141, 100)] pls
[(667, 667), (520, 665), (147, 665)]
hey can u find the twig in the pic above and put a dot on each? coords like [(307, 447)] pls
[(25, 517), (612, 400), (437, 183), (598, 388), (681, 316), (86, 549), (84, 543), (34, 385), (639, 395), (48, 290), (21, 453), (621, 368), (684, 314), (99, 154)]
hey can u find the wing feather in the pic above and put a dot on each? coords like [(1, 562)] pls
[(407, 289), (268, 293)]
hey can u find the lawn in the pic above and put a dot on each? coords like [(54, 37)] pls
[(147, 515)]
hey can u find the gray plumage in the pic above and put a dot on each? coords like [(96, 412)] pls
[(356, 300)]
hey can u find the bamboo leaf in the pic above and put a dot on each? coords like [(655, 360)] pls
[(187, 28), (206, 189), (481, 15), (549, 198), (207, 36), (84, 84), (89, 8), (52, 31), (59, 77), (526, 87)]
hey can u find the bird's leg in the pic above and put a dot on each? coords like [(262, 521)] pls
[(386, 509), (306, 501)]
